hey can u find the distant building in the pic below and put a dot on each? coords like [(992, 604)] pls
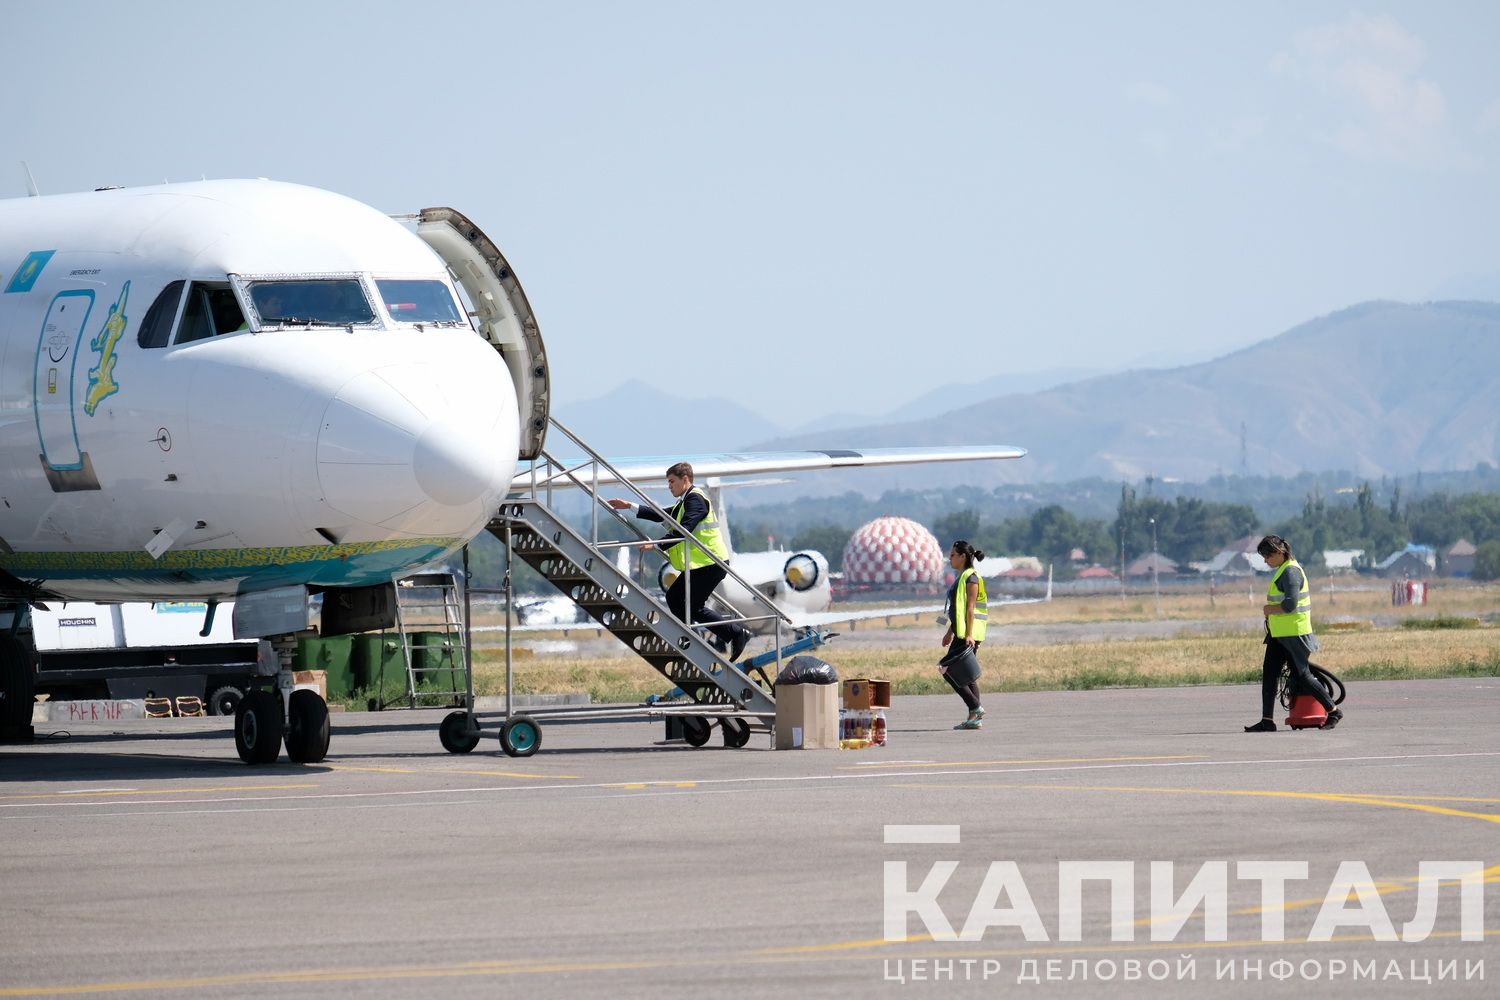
[(1458, 558), (1077, 557), (1233, 562), (1095, 573), (992, 566), (1341, 560), (1023, 568), (1143, 566), (1413, 561)]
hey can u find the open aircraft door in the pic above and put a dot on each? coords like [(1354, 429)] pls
[(501, 312)]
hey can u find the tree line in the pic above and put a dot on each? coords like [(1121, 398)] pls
[(1191, 529), (1372, 516)]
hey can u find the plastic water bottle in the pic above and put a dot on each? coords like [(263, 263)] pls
[(879, 732)]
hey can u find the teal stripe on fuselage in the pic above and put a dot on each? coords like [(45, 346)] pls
[(326, 565)]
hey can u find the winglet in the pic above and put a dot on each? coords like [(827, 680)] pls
[(31, 191)]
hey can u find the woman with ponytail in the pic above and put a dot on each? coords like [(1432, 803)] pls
[(968, 616)]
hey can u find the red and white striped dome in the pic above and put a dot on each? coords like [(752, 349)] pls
[(893, 550)]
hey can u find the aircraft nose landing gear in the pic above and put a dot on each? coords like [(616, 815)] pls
[(257, 727), (262, 718), (307, 728)]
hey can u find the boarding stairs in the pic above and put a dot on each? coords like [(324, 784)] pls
[(582, 567)]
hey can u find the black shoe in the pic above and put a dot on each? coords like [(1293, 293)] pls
[(738, 644), (1334, 718), (1263, 726)]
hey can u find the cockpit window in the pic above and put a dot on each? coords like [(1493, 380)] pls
[(156, 328), (211, 310), (415, 301), (311, 302)]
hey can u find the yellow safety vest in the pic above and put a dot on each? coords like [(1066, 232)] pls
[(706, 533), (1299, 622), (961, 603)]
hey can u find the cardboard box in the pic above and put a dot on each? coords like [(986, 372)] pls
[(861, 692), (313, 680), (807, 717)]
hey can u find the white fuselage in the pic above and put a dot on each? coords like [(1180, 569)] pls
[(273, 454)]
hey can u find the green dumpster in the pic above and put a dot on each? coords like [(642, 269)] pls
[(435, 660), (332, 655), (377, 654)]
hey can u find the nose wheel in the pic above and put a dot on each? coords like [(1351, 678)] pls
[(307, 727), (259, 724), (257, 727)]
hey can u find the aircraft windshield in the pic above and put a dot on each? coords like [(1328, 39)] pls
[(411, 301), (321, 301)]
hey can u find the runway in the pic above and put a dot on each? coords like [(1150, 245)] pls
[(145, 859)]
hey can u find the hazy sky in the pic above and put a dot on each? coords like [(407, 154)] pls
[(834, 206)]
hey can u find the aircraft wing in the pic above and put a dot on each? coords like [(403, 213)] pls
[(818, 619), (821, 618), (653, 468)]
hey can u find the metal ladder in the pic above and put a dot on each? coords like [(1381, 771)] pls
[(429, 608)]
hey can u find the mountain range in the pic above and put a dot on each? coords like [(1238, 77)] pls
[(1378, 388)]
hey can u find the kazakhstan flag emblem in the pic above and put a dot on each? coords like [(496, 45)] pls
[(29, 271)]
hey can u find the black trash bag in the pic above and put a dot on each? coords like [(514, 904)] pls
[(961, 663), (808, 670)]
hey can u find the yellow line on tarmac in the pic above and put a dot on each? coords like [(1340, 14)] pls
[(460, 773), (1491, 874), (1043, 760), (1361, 799), (636, 786), (80, 795), (1423, 798)]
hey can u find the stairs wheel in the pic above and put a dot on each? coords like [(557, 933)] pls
[(520, 736), (736, 733), (695, 730), (455, 735)]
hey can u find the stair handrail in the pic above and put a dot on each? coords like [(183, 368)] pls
[(595, 461)]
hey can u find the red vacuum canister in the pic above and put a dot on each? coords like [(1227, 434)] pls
[(1306, 713)]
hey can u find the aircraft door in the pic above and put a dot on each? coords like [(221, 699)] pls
[(54, 391), (501, 310)]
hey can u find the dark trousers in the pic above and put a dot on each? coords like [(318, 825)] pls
[(1291, 652), (705, 580), (968, 692)]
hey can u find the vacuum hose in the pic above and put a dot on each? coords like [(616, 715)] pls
[(1330, 681)]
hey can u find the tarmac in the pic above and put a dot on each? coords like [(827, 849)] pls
[(144, 859)]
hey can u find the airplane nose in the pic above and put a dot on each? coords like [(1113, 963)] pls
[(450, 465), (415, 447)]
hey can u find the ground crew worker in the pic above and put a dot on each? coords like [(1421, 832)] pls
[(1289, 636), (968, 616), (694, 511)]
